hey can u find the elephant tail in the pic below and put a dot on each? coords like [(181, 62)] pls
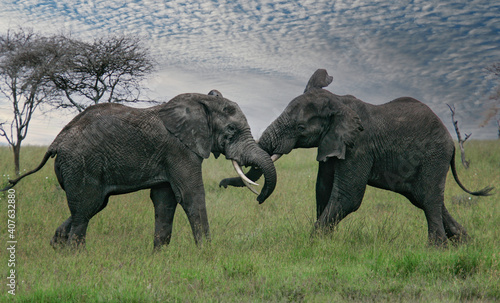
[(50, 153), (483, 192)]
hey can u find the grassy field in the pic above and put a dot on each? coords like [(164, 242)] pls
[(258, 253)]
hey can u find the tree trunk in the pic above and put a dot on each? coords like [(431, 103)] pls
[(17, 152), (498, 124)]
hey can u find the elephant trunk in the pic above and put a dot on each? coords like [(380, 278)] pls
[(260, 160), (278, 138), (266, 146), (248, 153)]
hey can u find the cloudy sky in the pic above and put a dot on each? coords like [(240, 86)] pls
[(261, 53)]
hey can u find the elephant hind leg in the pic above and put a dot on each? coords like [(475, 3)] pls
[(77, 234), (81, 212), (454, 231), (436, 232), (432, 204), (61, 235), (165, 203)]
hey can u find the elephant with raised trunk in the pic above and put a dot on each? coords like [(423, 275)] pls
[(112, 149), (400, 146)]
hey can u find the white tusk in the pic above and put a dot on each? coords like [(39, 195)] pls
[(275, 157), (250, 188), (242, 175)]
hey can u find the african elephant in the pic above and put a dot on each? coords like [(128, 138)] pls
[(400, 146), (112, 149)]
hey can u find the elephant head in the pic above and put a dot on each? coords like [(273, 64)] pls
[(317, 118), (211, 123)]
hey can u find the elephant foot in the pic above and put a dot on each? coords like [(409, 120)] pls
[(76, 243), (159, 243), (60, 239), (61, 243), (58, 243), (322, 230), (61, 235), (323, 227)]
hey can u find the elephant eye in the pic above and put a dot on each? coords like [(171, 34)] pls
[(231, 129), (301, 128)]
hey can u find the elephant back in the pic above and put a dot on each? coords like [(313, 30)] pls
[(100, 124)]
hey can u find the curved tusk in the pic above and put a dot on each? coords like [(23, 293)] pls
[(242, 175), (250, 188), (275, 157)]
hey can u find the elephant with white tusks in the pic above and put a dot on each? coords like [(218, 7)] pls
[(400, 146), (112, 149)]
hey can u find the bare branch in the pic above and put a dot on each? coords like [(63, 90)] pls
[(494, 68), (104, 70), (461, 141)]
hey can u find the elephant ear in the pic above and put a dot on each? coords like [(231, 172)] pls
[(188, 121), (319, 79), (343, 129), (215, 92)]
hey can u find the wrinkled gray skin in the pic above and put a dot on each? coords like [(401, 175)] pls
[(112, 149), (400, 146)]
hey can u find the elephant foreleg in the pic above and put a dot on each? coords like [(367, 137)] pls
[(436, 232), (164, 201), (347, 191), (193, 204), (324, 185), (337, 209)]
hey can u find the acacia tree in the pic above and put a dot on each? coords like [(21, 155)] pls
[(104, 70), (26, 63), (65, 73)]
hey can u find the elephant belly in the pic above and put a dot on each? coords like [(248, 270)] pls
[(397, 176), (108, 175), (128, 188), (121, 180)]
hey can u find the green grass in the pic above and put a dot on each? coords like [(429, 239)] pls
[(258, 253)]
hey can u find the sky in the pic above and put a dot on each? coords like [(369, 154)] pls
[(261, 53)]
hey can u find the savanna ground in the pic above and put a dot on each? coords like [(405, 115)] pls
[(258, 253)]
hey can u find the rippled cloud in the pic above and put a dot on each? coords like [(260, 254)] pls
[(261, 53)]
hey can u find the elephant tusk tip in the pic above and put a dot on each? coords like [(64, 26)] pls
[(253, 190), (253, 183), (244, 178)]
